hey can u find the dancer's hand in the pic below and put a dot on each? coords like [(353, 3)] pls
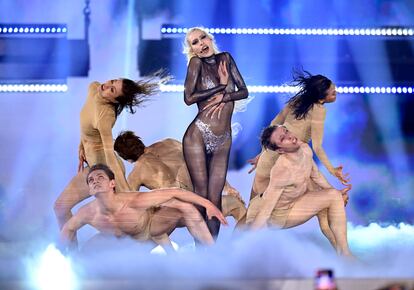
[(213, 101), (253, 162), (223, 73), (82, 160), (343, 178), (230, 190), (215, 110), (213, 211)]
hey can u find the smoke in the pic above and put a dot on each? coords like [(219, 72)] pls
[(380, 251)]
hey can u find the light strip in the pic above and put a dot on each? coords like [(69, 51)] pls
[(289, 89), (32, 88), (8, 29), (389, 31)]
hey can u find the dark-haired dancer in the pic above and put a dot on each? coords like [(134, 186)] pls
[(162, 165), (211, 83), (102, 107), (304, 116)]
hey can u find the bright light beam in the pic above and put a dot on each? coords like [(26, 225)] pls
[(52, 271)]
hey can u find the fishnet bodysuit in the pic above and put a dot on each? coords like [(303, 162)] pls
[(207, 141)]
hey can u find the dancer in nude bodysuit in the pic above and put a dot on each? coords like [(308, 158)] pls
[(139, 215), (304, 116), (162, 165), (211, 83), (297, 191), (103, 105)]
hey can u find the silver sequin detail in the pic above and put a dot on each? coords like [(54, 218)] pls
[(211, 140), (208, 83)]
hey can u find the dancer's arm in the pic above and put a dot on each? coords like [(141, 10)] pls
[(158, 197), (82, 157), (318, 177), (105, 123), (68, 233), (242, 91), (317, 131), (192, 96)]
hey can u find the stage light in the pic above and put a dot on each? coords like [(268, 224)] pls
[(399, 31), (36, 28), (289, 89), (52, 271), (30, 88)]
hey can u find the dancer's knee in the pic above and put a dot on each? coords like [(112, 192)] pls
[(60, 207), (334, 195)]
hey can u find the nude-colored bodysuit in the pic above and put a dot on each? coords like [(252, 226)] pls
[(97, 118), (125, 222), (162, 166), (292, 178), (309, 128)]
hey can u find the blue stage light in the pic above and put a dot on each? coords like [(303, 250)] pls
[(33, 28)]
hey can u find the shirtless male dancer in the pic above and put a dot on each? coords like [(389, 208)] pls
[(162, 165), (291, 198), (139, 215)]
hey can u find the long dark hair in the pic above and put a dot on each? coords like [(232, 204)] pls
[(134, 93), (312, 88)]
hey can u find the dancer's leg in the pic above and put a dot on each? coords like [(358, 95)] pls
[(175, 213), (76, 191), (313, 202)]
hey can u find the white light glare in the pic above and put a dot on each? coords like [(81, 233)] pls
[(52, 271), (302, 31), (289, 89), (13, 88)]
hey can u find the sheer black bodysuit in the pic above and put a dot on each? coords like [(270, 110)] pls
[(207, 141)]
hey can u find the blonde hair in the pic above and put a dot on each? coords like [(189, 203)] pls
[(187, 46)]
